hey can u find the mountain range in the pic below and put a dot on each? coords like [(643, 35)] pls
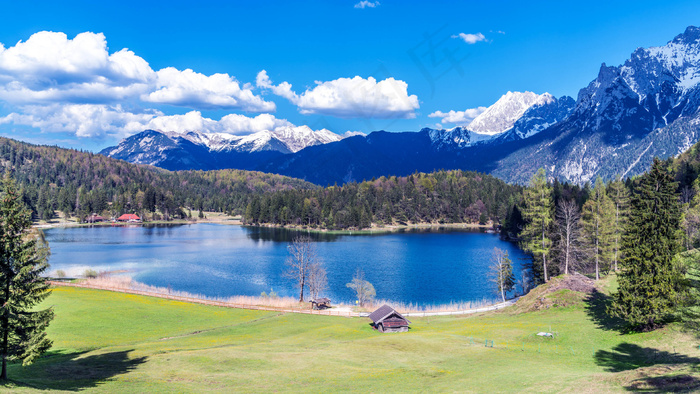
[(627, 115)]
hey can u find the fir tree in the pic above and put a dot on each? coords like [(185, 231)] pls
[(537, 213), (598, 223), (23, 258), (620, 197), (649, 281)]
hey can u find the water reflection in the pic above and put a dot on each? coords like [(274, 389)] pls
[(430, 266)]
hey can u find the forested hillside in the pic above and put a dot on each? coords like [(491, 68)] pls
[(438, 197), (81, 183)]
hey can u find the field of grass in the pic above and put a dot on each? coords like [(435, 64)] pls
[(114, 342)]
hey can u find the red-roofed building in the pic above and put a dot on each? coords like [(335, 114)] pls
[(129, 217)]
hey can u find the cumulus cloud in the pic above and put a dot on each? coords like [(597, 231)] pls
[(459, 118), (100, 120), (85, 120), (349, 97), (50, 68), (367, 4), (470, 38), (194, 90), (230, 124)]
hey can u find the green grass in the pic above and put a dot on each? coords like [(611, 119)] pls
[(113, 342)]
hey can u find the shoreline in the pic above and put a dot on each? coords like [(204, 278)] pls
[(338, 310), (66, 224), (231, 221), (382, 230)]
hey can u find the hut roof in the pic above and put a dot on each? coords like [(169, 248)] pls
[(321, 300), (128, 216), (384, 312)]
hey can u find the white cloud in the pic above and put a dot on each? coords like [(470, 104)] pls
[(85, 120), (100, 120), (470, 38), (49, 68), (194, 90), (231, 124), (349, 97), (283, 90), (367, 4), (459, 118), (239, 124)]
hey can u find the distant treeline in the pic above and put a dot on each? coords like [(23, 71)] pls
[(438, 197), (81, 183)]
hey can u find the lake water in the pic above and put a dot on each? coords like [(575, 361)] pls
[(427, 268)]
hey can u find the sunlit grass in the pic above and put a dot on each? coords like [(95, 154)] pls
[(114, 342)]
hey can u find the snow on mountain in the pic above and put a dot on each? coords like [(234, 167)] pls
[(540, 112), (538, 118), (503, 114), (194, 149), (285, 140), (300, 137), (455, 138), (647, 107)]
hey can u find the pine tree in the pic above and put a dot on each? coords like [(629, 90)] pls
[(23, 258), (598, 223), (620, 197), (648, 281), (537, 213)]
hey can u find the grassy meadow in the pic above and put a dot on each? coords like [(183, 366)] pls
[(114, 342)]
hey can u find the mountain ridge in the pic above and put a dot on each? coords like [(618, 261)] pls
[(645, 107)]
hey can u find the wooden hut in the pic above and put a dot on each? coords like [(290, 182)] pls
[(387, 319), (95, 218), (321, 303)]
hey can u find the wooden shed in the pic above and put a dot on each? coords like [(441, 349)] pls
[(321, 303), (387, 319)]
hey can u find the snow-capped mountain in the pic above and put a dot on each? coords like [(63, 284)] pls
[(538, 118), (455, 138), (198, 150), (503, 114), (646, 107), (513, 117), (630, 113)]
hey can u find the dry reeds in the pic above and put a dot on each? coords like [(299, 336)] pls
[(126, 283)]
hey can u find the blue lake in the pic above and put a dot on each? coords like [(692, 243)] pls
[(420, 267)]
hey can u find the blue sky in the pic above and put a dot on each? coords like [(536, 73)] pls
[(350, 68)]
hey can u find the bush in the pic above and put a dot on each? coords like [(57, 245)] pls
[(60, 274), (90, 273)]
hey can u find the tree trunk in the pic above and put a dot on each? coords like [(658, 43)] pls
[(301, 292), (568, 248), (5, 334), (544, 257), (500, 275), (597, 275)]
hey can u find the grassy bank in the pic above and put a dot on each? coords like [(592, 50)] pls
[(112, 342), (383, 229)]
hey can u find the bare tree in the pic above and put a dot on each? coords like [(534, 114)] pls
[(318, 282), (302, 256), (568, 222), (502, 272), (364, 290)]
